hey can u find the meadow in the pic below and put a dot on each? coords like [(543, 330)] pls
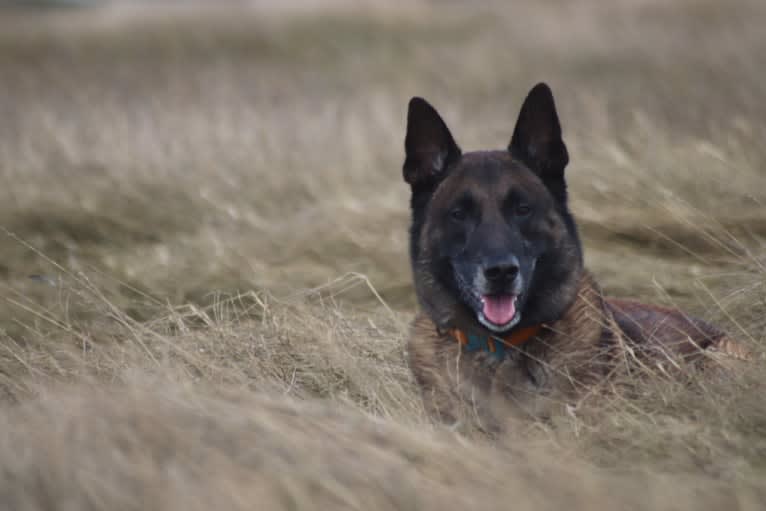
[(204, 282)]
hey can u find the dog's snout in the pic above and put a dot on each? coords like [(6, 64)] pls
[(500, 270)]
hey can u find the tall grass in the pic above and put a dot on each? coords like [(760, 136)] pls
[(204, 274)]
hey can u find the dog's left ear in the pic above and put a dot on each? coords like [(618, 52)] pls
[(429, 146), (537, 140)]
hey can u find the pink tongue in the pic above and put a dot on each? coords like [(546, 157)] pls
[(499, 309)]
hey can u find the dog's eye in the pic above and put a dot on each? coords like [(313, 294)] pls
[(458, 213), (522, 210)]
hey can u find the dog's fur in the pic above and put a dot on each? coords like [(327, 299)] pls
[(490, 228)]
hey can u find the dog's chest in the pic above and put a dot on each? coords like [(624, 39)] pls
[(512, 373)]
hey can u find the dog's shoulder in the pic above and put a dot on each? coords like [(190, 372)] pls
[(424, 342)]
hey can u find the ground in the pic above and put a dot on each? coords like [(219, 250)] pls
[(205, 283)]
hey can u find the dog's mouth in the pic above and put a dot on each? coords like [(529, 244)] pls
[(499, 312)]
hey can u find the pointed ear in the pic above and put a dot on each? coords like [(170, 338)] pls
[(429, 146), (537, 140)]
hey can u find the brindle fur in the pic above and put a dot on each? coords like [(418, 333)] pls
[(586, 337)]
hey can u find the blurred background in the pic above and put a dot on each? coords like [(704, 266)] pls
[(201, 177), (186, 147)]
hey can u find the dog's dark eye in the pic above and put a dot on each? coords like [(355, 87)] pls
[(522, 210), (458, 214)]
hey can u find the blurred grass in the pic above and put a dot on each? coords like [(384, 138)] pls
[(212, 197)]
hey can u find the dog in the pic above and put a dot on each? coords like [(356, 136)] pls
[(509, 315)]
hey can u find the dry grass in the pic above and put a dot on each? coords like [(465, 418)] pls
[(212, 205)]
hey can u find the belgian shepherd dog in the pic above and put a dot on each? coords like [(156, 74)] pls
[(508, 312)]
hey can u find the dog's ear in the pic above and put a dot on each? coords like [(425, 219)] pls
[(537, 140), (429, 146)]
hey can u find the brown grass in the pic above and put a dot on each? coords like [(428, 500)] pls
[(211, 205)]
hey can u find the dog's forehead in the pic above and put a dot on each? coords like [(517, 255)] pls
[(489, 173)]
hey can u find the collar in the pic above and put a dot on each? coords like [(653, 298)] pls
[(495, 344)]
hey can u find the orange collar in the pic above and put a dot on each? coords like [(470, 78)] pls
[(473, 342)]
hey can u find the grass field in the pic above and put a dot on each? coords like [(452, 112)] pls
[(204, 276)]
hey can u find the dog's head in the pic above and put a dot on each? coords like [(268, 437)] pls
[(492, 238)]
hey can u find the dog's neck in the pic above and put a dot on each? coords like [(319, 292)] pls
[(588, 308)]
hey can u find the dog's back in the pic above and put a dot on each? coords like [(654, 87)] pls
[(670, 333)]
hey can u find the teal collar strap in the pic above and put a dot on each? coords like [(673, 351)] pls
[(498, 346)]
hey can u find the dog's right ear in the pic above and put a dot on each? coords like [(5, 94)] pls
[(537, 140), (429, 145)]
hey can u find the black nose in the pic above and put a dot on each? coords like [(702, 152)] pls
[(504, 269)]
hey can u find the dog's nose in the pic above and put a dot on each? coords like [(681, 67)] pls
[(504, 269)]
